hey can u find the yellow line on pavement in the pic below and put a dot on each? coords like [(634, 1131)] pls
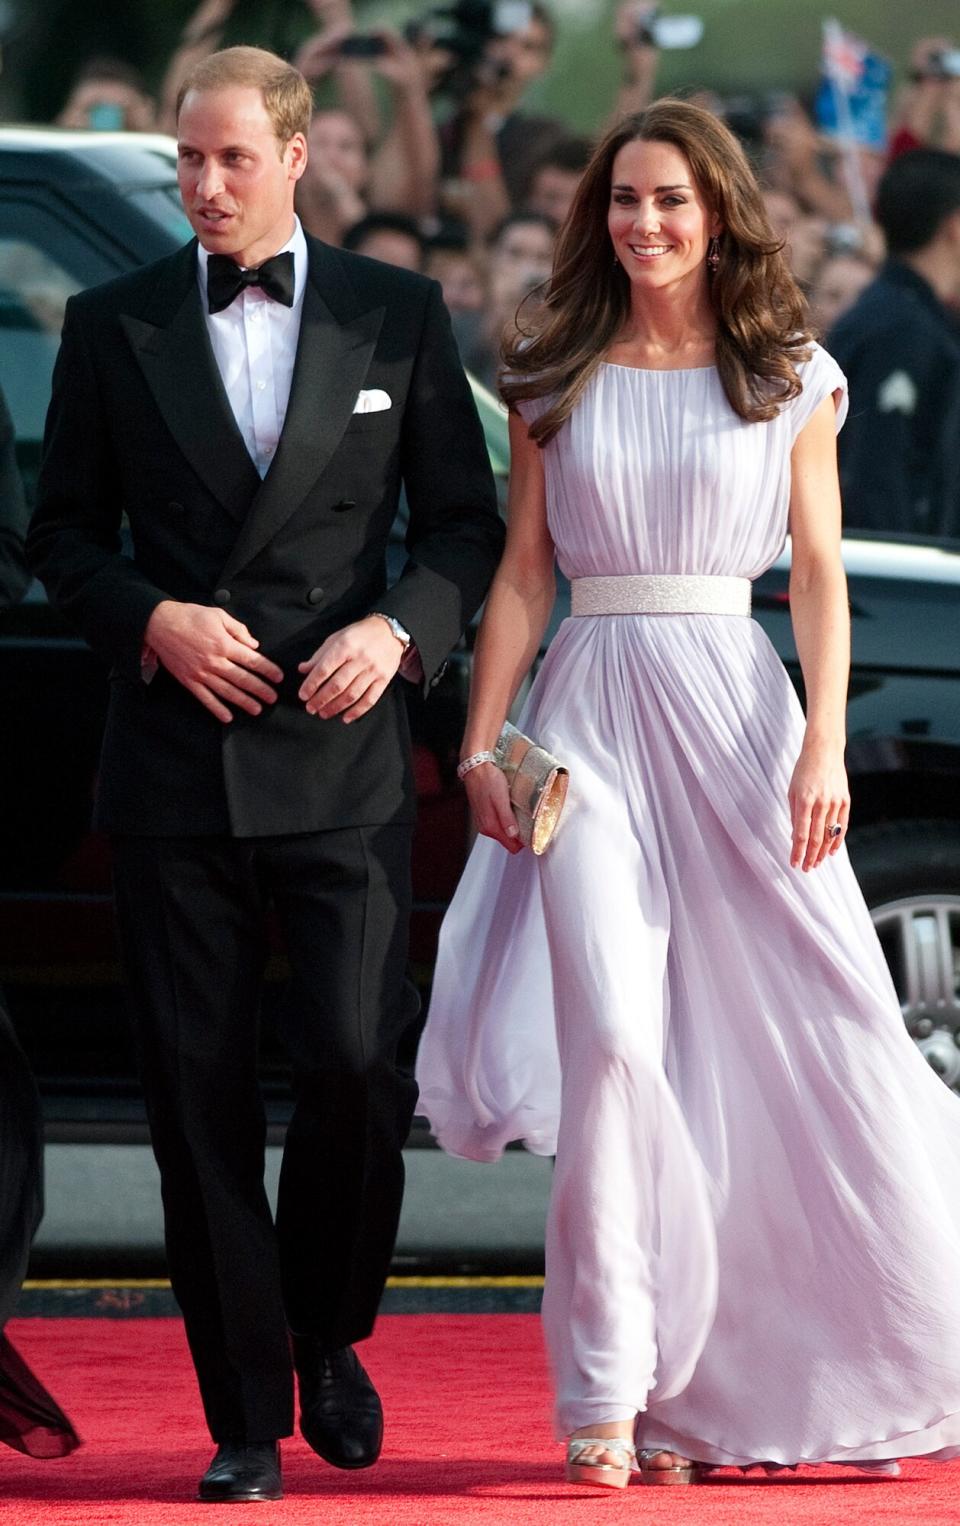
[(58, 1284)]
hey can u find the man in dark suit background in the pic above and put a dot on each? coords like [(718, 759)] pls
[(252, 405)]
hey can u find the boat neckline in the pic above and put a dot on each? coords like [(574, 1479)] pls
[(659, 370)]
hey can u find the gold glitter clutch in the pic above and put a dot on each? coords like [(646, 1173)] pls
[(538, 785)]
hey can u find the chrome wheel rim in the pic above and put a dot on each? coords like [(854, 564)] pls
[(920, 937)]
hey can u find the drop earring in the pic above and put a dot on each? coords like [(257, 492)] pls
[(713, 254)]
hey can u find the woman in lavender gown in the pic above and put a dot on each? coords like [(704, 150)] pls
[(751, 1257)]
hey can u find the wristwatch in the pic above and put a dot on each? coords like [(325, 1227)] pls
[(400, 631)]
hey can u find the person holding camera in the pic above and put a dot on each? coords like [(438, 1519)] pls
[(489, 145), (109, 95), (929, 114)]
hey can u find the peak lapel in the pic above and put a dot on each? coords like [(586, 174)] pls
[(334, 350), (174, 353)]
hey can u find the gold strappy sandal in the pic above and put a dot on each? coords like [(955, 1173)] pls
[(590, 1470), (676, 1473)]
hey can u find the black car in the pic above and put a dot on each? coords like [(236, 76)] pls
[(80, 208)]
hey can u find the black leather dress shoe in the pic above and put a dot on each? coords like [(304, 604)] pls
[(243, 1470), (341, 1416)]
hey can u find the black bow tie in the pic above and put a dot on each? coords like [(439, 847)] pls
[(225, 279)]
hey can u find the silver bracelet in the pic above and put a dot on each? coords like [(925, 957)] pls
[(474, 761)]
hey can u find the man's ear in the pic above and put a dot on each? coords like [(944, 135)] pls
[(295, 154)]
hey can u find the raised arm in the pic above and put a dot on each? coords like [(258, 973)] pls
[(406, 168), (819, 795), (514, 620)]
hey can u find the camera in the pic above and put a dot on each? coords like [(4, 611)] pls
[(655, 31), (362, 45), (843, 238), (464, 31), (944, 64)]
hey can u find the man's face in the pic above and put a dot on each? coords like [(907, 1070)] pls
[(393, 248), (336, 145), (236, 180), (552, 192)]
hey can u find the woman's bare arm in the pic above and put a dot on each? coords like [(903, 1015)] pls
[(819, 796), (514, 620)]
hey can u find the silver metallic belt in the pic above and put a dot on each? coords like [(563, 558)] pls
[(661, 594)]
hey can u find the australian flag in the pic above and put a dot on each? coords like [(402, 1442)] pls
[(854, 89)]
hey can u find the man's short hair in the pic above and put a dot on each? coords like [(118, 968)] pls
[(383, 222), (916, 193), (286, 94), (109, 70), (571, 155), (521, 219)]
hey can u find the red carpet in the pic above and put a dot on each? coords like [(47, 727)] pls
[(468, 1444)]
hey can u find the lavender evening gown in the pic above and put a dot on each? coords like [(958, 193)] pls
[(754, 1231)]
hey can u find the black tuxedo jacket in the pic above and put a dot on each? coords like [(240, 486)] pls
[(140, 426)]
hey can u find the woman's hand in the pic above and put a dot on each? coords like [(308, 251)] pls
[(819, 798), (489, 797)]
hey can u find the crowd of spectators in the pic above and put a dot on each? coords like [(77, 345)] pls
[(423, 153)]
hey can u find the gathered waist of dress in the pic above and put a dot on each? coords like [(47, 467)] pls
[(657, 593)]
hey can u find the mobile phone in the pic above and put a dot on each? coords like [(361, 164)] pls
[(105, 117), (362, 45)]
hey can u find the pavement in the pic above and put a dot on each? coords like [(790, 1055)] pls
[(103, 1210)]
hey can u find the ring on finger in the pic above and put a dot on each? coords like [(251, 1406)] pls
[(835, 830)]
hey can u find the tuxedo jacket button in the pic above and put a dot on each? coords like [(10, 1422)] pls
[(345, 503), (222, 596), (315, 596)]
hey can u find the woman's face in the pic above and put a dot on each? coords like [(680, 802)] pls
[(336, 144), (658, 221)]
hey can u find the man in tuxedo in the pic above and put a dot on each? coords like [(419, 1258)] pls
[(252, 404)]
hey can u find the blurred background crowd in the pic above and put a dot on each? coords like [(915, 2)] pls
[(438, 144)]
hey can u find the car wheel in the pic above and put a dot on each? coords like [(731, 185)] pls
[(910, 874)]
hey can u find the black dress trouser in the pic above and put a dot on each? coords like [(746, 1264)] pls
[(191, 913)]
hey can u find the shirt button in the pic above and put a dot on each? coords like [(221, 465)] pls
[(261, 385)]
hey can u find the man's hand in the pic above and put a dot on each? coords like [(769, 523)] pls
[(350, 671), (214, 656)]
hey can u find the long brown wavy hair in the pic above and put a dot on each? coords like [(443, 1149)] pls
[(761, 314)]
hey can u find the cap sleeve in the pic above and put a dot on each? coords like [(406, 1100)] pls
[(531, 408), (821, 377)]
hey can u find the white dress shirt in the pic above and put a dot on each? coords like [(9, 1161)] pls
[(255, 344)]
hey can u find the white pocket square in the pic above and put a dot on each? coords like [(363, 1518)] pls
[(373, 401)]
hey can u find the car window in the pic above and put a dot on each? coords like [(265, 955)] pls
[(162, 204), (44, 259), (34, 287)]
